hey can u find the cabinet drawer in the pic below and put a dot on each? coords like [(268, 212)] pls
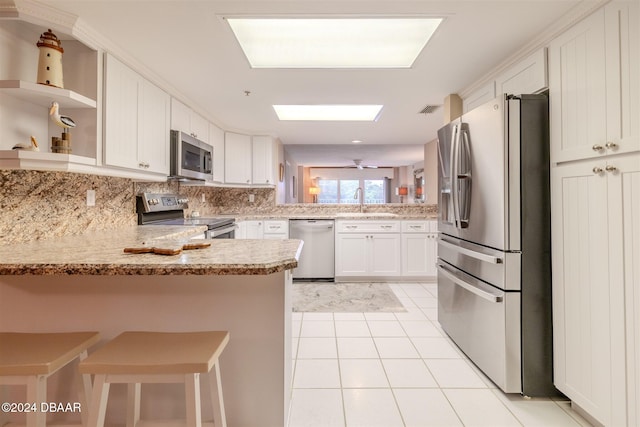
[(419, 226), (368, 226), (276, 226)]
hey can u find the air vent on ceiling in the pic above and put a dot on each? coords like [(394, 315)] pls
[(429, 109)]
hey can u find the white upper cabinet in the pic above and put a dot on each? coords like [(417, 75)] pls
[(485, 94), (186, 120), (136, 127), (264, 157), (527, 76), (237, 158), (153, 127), (216, 139), (594, 86)]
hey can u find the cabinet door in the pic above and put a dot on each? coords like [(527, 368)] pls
[(216, 139), (237, 161), (254, 229), (479, 97), (416, 250), (624, 253), (581, 292), (180, 116), (384, 255), (622, 22), (351, 254), (577, 91), (528, 76), (154, 113), (199, 127), (121, 115), (263, 160)]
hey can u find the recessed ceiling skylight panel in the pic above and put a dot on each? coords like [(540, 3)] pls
[(342, 112), (332, 42)]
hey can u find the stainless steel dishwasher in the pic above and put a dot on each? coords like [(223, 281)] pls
[(317, 262)]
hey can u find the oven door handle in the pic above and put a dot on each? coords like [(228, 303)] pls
[(218, 231), (468, 286)]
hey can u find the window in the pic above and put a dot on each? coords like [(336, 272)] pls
[(343, 191)]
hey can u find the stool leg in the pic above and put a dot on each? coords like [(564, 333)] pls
[(85, 394), (36, 393), (192, 392), (220, 418), (99, 397), (133, 404)]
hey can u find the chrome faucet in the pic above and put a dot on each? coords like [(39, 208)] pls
[(355, 196)]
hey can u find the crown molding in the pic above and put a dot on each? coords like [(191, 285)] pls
[(575, 15)]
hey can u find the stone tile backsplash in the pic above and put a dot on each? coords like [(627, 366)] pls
[(36, 205)]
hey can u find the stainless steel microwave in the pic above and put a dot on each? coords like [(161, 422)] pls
[(190, 157)]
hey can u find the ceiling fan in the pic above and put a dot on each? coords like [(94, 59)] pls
[(357, 163)]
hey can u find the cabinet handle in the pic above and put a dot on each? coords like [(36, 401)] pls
[(610, 168), (597, 170), (597, 147), (611, 145), (386, 227)]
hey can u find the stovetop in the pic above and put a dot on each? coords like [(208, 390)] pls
[(210, 222), (169, 209)]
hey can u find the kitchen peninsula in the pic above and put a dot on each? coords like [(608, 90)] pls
[(87, 282)]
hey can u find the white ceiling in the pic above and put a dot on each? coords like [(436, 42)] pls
[(189, 46)]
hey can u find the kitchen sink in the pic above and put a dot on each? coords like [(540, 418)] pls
[(365, 214)]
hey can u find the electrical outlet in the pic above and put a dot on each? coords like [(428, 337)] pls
[(252, 198), (203, 198), (91, 197)]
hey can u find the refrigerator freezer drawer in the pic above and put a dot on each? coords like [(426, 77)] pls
[(484, 322), (501, 269)]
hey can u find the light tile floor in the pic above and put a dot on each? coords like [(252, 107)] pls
[(400, 370)]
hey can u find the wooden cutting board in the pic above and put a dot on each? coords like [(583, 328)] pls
[(166, 249)]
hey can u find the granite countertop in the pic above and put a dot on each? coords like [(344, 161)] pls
[(103, 254), (337, 216)]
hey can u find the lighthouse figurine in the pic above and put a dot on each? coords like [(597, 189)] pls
[(50, 60)]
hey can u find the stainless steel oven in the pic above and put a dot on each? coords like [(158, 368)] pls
[(169, 209)]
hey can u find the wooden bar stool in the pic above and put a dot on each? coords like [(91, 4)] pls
[(157, 357), (30, 358)]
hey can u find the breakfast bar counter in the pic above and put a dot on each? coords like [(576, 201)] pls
[(89, 283)]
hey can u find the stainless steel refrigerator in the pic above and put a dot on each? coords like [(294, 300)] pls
[(494, 261)]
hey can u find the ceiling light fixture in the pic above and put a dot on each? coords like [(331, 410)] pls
[(340, 112), (333, 42)]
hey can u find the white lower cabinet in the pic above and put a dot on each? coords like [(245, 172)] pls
[(419, 246), (596, 285), (368, 249), (263, 229)]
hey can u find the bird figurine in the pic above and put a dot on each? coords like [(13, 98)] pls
[(31, 147), (64, 122)]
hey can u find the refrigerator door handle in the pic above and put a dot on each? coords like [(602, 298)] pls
[(468, 252), (455, 152), (469, 287), (464, 177)]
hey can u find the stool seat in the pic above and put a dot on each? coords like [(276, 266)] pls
[(41, 353), (157, 353), (31, 358), (135, 357)]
